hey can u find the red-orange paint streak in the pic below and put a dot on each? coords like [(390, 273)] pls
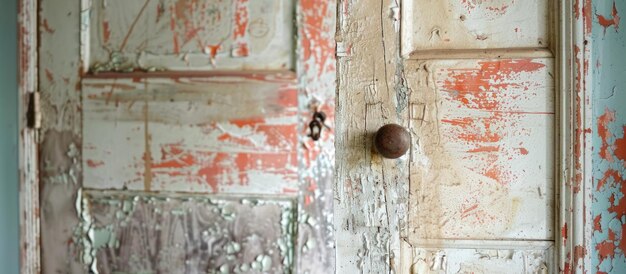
[(486, 88), (106, 31), (46, 27), (241, 28), (175, 42), (467, 211), (316, 46), (607, 22), (94, 164), (49, 75), (611, 173), (564, 233), (587, 21)]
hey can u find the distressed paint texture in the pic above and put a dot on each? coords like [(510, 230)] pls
[(482, 159), (476, 192), (30, 260), (233, 129), (370, 193), (474, 24), (608, 209), (189, 34), (136, 233), (210, 134), (316, 66)]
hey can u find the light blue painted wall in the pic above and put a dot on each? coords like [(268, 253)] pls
[(9, 221), (609, 143)]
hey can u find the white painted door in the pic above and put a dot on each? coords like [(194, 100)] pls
[(176, 136), (473, 83)]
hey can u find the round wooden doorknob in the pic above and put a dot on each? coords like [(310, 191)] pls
[(392, 141)]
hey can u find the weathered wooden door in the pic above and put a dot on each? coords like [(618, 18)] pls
[(175, 136), (474, 84)]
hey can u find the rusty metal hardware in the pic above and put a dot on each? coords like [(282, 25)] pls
[(33, 113), (392, 141), (317, 124)]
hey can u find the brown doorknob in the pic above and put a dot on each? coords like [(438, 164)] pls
[(392, 141)]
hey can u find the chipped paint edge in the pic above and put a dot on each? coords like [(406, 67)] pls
[(30, 260)]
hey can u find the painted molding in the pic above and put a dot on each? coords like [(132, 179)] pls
[(574, 148)]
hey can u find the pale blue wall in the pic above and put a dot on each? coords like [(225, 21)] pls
[(9, 221), (609, 143)]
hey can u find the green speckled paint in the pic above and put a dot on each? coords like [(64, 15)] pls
[(9, 221), (608, 67)]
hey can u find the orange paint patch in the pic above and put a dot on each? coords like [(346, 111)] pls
[(597, 226), (605, 249), (607, 22)]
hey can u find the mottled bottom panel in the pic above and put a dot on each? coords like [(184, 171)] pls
[(487, 260), (126, 232)]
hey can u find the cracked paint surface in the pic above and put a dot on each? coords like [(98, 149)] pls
[(125, 232), (608, 211), (189, 34)]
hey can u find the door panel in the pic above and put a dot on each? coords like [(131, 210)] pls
[(136, 232), (482, 162), (224, 134), (470, 260), (179, 131), (430, 26), (189, 35)]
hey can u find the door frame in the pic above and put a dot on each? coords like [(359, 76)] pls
[(573, 144)]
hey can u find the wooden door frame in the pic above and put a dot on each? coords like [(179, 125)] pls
[(574, 173), (30, 257)]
